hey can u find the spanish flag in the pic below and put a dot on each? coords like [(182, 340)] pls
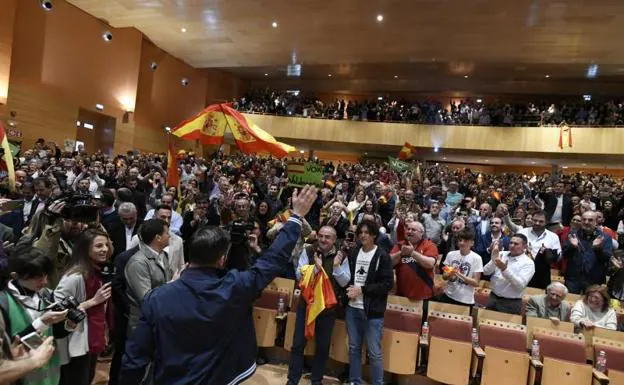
[(7, 159), (407, 151), (209, 128), (565, 135), (318, 293), (280, 218)]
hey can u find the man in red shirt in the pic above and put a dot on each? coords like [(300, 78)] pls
[(414, 260)]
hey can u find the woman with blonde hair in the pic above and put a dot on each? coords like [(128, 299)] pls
[(594, 310)]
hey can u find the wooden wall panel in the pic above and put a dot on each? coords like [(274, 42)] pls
[(7, 20), (587, 140)]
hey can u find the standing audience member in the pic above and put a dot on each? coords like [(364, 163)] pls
[(511, 272), (371, 280)]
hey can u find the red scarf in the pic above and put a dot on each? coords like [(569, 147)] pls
[(96, 316)]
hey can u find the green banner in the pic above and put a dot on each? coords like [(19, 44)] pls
[(398, 165), (301, 174)]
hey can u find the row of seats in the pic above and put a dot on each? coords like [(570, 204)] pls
[(448, 355)]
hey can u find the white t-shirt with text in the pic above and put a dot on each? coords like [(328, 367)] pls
[(467, 265), (362, 267)]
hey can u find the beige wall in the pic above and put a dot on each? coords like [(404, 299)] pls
[(586, 140)]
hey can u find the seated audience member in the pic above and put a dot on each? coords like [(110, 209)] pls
[(594, 310), (616, 282), (511, 272), (551, 305), (463, 271)]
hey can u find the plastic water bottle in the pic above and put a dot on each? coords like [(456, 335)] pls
[(281, 306), (601, 361), (424, 332), (475, 338), (535, 350)]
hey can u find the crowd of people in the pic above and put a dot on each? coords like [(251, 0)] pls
[(101, 257), (464, 112)]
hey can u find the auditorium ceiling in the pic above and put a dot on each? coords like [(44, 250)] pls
[(479, 46)]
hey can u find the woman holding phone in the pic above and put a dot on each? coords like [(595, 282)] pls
[(83, 281)]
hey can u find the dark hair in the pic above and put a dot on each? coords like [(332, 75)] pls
[(151, 228), (80, 260), (208, 245), (521, 236), (107, 197), (202, 198), (466, 234), (372, 227), (539, 213), (162, 207), (46, 182), (30, 262), (125, 195), (131, 179)]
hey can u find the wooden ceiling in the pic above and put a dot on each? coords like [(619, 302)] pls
[(505, 44)]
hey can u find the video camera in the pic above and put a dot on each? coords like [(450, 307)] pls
[(238, 231), (79, 208)]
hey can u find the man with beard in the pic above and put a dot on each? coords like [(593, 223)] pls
[(483, 244), (544, 247)]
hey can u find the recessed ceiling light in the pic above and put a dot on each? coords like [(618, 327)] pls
[(532, 162), (266, 74), (465, 76), (547, 76), (584, 164), (46, 4), (487, 160), (479, 100), (436, 149), (88, 126), (380, 18), (301, 151), (396, 76), (168, 129), (99, 107), (274, 24), (444, 158), (78, 123), (329, 75), (183, 30), (107, 36)]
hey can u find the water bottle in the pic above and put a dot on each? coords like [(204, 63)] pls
[(535, 350), (601, 361), (424, 332), (281, 306), (475, 338)]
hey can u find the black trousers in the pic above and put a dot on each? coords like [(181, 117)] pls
[(79, 370), (119, 344)]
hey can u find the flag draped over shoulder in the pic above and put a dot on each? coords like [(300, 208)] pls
[(7, 159), (407, 151), (209, 128), (318, 293)]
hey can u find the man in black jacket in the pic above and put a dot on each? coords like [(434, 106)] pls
[(557, 205), (372, 279)]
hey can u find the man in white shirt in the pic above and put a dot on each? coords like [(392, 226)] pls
[(511, 272), (544, 248), (176, 219)]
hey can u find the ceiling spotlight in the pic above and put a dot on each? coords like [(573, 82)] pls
[(183, 30), (329, 75), (99, 107), (532, 162), (547, 76), (436, 149), (46, 4), (465, 76), (185, 82), (153, 66), (444, 158), (380, 18), (274, 24), (266, 74), (396, 76), (487, 160), (107, 36), (479, 100), (168, 129), (301, 151)]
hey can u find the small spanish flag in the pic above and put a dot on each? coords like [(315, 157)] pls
[(496, 195), (318, 293), (407, 151), (279, 218), (7, 159), (330, 183)]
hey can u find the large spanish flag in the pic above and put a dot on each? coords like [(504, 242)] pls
[(209, 127), (407, 151), (7, 159), (318, 293)]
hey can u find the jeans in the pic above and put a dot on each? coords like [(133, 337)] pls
[(323, 327), (358, 328)]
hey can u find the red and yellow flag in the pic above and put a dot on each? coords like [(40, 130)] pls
[(407, 151), (318, 293), (209, 128), (7, 159), (565, 136), (173, 175)]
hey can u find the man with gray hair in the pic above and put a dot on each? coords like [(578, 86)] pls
[(551, 305), (121, 231)]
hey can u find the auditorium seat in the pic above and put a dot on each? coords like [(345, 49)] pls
[(502, 356), (447, 308), (563, 360), (400, 339), (498, 316), (449, 348), (265, 314), (615, 358), (545, 323)]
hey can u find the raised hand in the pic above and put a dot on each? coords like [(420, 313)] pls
[(597, 243), (573, 240), (303, 200)]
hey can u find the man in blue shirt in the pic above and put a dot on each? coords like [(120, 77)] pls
[(199, 329)]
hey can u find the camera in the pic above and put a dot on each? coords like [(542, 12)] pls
[(185, 82), (238, 231), (78, 208), (71, 305)]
